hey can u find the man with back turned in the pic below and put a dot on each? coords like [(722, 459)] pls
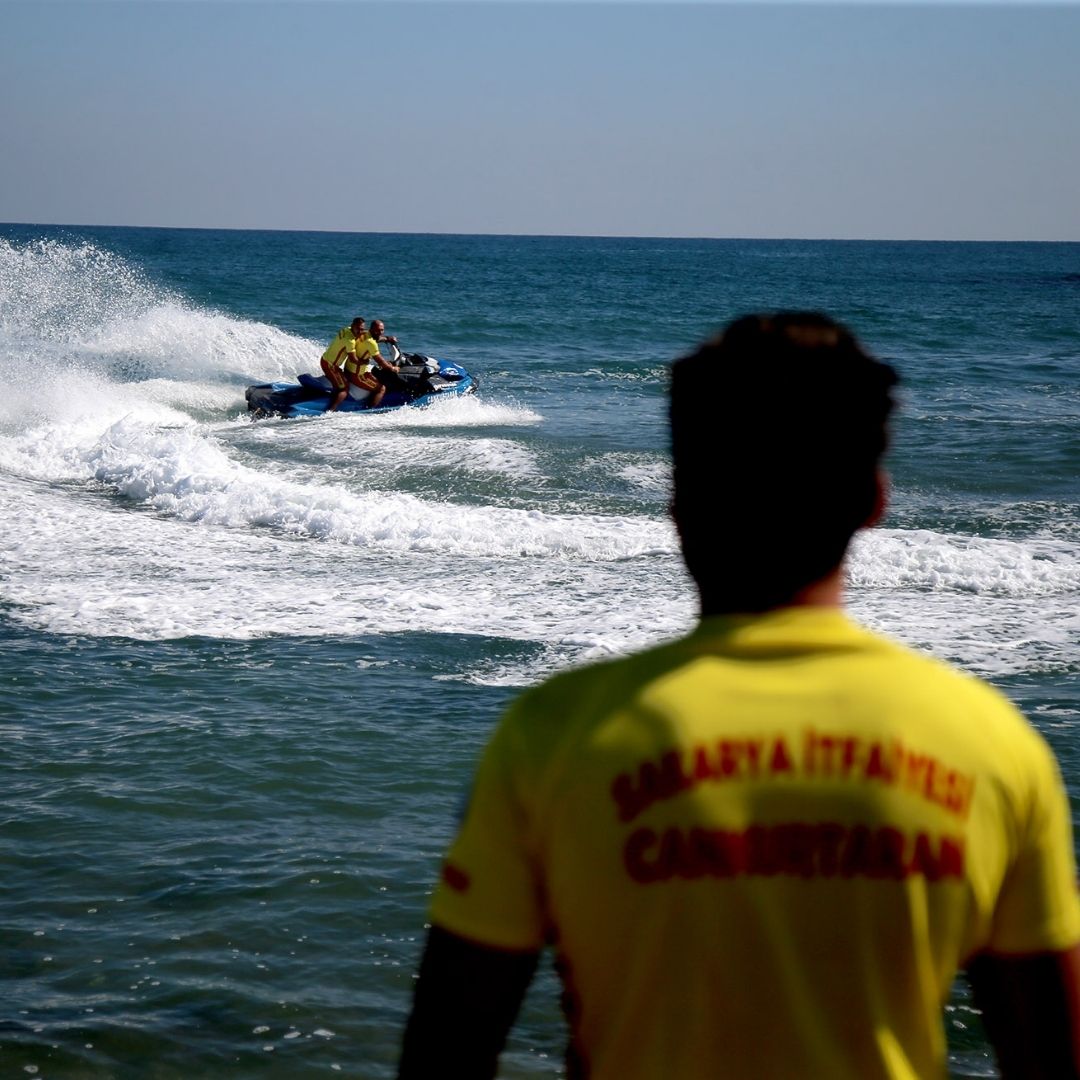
[(766, 849)]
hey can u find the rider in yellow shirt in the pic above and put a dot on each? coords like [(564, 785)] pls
[(358, 371), (336, 356), (364, 367), (762, 851)]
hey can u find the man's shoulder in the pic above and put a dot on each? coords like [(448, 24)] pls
[(600, 685), (868, 666), (917, 669), (939, 704), (550, 722)]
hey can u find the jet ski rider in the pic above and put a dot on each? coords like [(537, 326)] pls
[(367, 371), (337, 355)]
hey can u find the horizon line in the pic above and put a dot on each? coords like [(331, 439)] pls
[(546, 235)]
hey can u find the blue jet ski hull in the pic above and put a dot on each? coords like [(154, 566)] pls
[(310, 395)]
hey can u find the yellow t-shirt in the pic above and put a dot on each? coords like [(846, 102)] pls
[(344, 345), (364, 352), (764, 850)]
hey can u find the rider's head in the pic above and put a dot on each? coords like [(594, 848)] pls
[(778, 426), (377, 327), (357, 325)]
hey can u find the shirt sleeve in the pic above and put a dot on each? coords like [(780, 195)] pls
[(490, 889), (1038, 909)]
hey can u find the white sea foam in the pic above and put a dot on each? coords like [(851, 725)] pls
[(84, 338), (388, 451), (990, 636), (192, 397), (649, 476), (217, 556), (87, 566), (380, 448), (174, 340), (996, 607), (929, 561), (178, 471), (49, 287), (469, 412)]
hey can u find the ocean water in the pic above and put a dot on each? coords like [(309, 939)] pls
[(246, 668)]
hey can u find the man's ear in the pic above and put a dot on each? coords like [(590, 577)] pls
[(881, 499)]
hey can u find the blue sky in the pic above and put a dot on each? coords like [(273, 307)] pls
[(653, 119)]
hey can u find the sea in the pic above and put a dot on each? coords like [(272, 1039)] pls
[(246, 667)]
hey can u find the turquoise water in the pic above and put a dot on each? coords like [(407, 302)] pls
[(245, 668)]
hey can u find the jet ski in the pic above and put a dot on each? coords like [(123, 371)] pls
[(427, 379)]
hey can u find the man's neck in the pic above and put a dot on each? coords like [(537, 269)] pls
[(826, 592)]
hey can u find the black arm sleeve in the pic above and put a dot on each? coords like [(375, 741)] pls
[(466, 1000)]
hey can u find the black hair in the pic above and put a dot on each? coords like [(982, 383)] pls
[(778, 426)]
